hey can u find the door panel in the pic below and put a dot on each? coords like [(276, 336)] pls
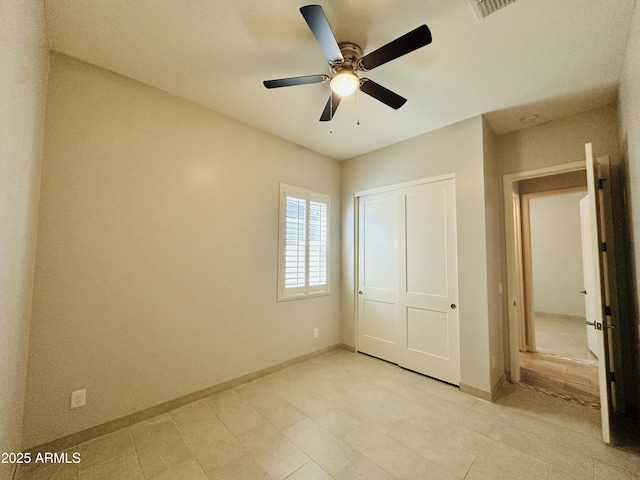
[(587, 269), (428, 332), (377, 312), (427, 280), (426, 240)]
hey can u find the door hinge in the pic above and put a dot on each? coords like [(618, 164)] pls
[(603, 246), (607, 310), (600, 183)]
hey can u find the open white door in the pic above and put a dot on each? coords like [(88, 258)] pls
[(597, 322), (587, 272)]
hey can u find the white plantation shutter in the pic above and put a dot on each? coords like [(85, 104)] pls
[(295, 241), (317, 263), (304, 247)]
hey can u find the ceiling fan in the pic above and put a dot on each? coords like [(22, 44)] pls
[(346, 60)]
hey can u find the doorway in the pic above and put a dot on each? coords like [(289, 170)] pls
[(555, 354), (604, 205)]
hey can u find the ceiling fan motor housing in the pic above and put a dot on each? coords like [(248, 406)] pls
[(351, 53)]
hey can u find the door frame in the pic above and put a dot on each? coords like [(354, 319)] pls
[(356, 233), (515, 279)]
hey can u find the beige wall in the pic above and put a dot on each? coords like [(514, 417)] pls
[(559, 141), (23, 76), (156, 262), (629, 111), (455, 149), (554, 143), (492, 202), (556, 260)]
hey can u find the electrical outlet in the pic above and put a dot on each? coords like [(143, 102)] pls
[(78, 398), (315, 333)]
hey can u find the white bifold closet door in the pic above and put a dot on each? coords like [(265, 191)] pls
[(407, 278)]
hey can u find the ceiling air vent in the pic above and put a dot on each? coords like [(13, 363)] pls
[(484, 8)]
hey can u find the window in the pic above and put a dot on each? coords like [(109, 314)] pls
[(303, 268)]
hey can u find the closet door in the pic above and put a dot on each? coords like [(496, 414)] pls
[(428, 280), (377, 287), (407, 278)]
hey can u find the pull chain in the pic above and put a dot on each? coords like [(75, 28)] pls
[(358, 106)]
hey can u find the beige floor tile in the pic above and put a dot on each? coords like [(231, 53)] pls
[(327, 450), (310, 471), (273, 451), (234, 411), (214, 453), (197, 422), (476, 421), (335, 419), (561, 335), (558, 456), (262, 433), (207, 436), (517, 418), (386, 452), (436, 472), (242, 468), (432, 446), (362, 468), (159, 445), (558, 474), (594, 447), (123, 467), (188, 470), (484, 469), (278, 412), (53, 472), (520, 465), (607, 472), (105, 448)]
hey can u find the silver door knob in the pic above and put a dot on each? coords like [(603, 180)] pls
[(453, 306), (583, 291), (360, 292)]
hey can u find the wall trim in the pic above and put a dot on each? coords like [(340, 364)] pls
[(495, 390), (476, 392), (83, 436)]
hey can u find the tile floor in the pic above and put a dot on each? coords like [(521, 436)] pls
[(562, 335), (348, 416)]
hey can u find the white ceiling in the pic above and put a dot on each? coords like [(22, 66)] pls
[(546, 57)]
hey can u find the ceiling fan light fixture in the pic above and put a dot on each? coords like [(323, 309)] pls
[(344, 83)]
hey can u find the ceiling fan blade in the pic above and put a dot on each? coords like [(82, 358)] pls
[(291, 81), (382, 94), (317, 21), (407, 43), (331, 107)]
